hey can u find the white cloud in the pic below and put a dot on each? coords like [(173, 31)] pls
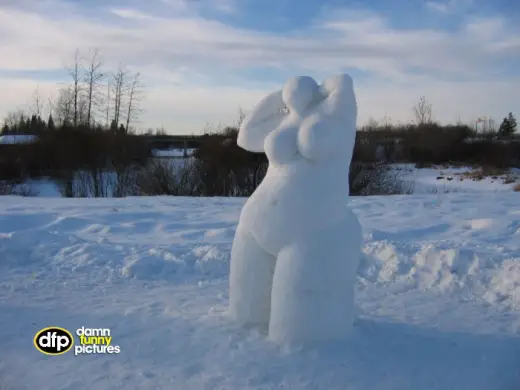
[(179, 5), (204, 44), (184, 57), (222, 6), (486, 28), (225, 6), (449, 6), (127, 13), (436, 6)]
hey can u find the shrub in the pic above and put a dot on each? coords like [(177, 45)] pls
[(164, 177), (89, 162), (376, 179), (17, 189), (224, 169)]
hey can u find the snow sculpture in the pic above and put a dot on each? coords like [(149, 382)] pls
[(297, 247)]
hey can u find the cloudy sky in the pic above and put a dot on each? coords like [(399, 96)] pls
[(202, 59)]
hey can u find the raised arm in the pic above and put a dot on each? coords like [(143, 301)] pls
[(265, 117), (340, 100), (330, 127)]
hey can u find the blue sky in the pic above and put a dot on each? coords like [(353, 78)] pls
[(202, 59)]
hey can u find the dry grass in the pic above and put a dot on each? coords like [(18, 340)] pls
[(494, 173), (510, 178)]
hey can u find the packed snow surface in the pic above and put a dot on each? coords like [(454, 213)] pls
[(438, 292), (297, 246)]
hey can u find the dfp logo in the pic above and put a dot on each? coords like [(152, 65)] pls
[(53, 341)]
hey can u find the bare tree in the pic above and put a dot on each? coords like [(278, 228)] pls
[(423, 111), (63, 107), (82, 110), (386, 121), (37, 103), (118, 89), (50, 105), (108, 104), (371, 124), (492, 125), (161, 131), (75, 72), (92, 78), (241, 117), (14, 118), (135, 90)]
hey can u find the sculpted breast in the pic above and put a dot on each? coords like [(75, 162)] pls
[(281, 146)]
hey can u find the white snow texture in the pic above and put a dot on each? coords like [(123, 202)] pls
[(297, 246)]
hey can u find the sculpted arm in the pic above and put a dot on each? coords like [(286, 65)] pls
[(330, 127), (265, 117)]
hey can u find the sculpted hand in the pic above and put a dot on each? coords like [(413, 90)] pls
[(326, 130)]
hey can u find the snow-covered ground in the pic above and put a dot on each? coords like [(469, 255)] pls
[(438, 293), (12, 139), (453, 179), (173, 153)]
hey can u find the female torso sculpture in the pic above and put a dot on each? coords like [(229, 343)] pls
[(297, 211)]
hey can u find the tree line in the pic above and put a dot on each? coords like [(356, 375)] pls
[(94, 98), (98, 98)]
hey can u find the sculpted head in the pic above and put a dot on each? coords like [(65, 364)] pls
[(299, 92)]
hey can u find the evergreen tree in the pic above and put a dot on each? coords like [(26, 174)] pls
[(508, 125), (42, 126), (5, 129), (50, 123), (512, 121), (34, 124), (113, 125), (22, 126)]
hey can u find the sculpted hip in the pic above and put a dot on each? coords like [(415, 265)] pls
[(275, 225)]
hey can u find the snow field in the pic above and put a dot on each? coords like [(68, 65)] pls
[(437, 293)]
